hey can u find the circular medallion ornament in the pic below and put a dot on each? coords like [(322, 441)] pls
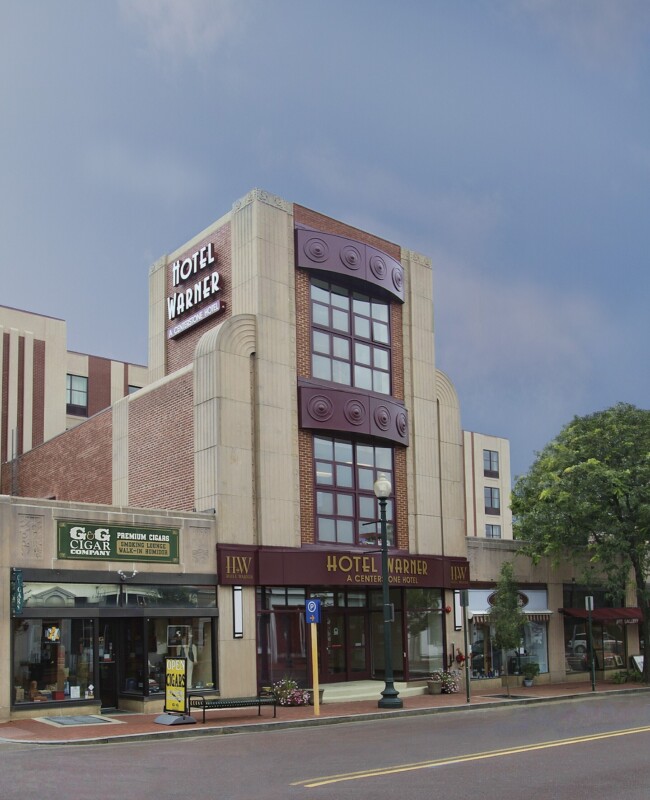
[(382, 418), (402, 424), (378, 267), (320, 408), (350, 257), (316, 249), (398, 279), (355, 413)]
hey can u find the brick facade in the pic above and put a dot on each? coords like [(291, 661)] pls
[(161, 446), (304, 216), (38, 394), (99, 384), (77, 465), (4, 418), (303, 355)]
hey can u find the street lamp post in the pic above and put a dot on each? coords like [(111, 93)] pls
[(589, 604), (390, 696)]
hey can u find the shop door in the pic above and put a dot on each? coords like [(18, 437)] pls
[(108, 663), (344, 647)]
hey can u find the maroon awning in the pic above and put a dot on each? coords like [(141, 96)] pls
[(605, 614)]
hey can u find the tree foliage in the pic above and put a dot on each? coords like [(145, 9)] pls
[(587, 498), (506, 615)]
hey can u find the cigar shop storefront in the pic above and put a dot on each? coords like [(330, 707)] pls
[(94, 630), (350, 634)]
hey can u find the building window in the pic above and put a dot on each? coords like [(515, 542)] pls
[(133, 389), (345, 472), (492, 500), (350, 337), (491, 463), (493, 531), (76, 395), (53, 659)]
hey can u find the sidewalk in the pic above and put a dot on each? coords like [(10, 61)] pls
[(120, 727)]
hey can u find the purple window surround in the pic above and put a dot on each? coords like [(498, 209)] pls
[(327, 252), (352, 412), (347, 511)]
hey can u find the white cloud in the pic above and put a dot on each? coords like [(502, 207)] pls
[(176, 29), (145, 173), (461, 218), (597, 31), (519, 332)]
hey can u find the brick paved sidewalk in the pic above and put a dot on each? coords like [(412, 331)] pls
[(121, 726)]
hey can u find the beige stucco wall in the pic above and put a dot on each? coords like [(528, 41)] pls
[(53, 332), (263, 285), (28, 539), (486, 557), (476, 481)]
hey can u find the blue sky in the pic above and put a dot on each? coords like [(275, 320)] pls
[(508, 140)]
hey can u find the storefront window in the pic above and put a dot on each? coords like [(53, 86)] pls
[(182, 638), (93, 595), (424, 631), (53, 659), (487, 660), (608, 644), (608, 636)]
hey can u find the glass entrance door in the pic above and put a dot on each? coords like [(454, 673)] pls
[(108, 664), (344, 646)]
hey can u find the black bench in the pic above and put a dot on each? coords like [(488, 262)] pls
[(211, 703)]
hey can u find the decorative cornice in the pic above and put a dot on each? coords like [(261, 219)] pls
[(417, 258), (263, 197), (348, 410), (159, 264), (328, 252)]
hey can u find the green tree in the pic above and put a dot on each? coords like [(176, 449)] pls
[(587, 498), (506, 616)]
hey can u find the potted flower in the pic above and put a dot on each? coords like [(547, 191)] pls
[(530, 670), (288, 693), (450, 682), (434, 683)]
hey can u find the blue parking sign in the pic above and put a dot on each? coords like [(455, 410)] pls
[(312, 611)]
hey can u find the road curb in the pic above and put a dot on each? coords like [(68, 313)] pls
[(283, 725)]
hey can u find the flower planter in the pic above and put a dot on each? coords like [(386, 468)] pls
[(311, 696), (434, 687)]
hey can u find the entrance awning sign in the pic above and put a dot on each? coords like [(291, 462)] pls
[(630, 614), (276, 566)]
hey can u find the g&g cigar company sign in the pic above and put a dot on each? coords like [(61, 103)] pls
[(84, 541)]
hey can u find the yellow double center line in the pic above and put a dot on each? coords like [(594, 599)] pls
[(311, 783)]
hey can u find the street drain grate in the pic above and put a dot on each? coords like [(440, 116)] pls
[(508, 696), (84, 719)]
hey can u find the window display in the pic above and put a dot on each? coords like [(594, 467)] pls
[(53, 659)]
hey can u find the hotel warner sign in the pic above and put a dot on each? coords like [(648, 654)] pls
[(195, 284), (87, 541)]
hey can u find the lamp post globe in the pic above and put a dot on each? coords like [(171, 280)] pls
[(390, 696)]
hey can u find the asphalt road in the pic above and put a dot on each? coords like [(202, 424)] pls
[(573, 750)]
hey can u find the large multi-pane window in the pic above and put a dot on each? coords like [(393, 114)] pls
[(350, 337), (346, 507), (491, 463), (76, 395), (492, 500)]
